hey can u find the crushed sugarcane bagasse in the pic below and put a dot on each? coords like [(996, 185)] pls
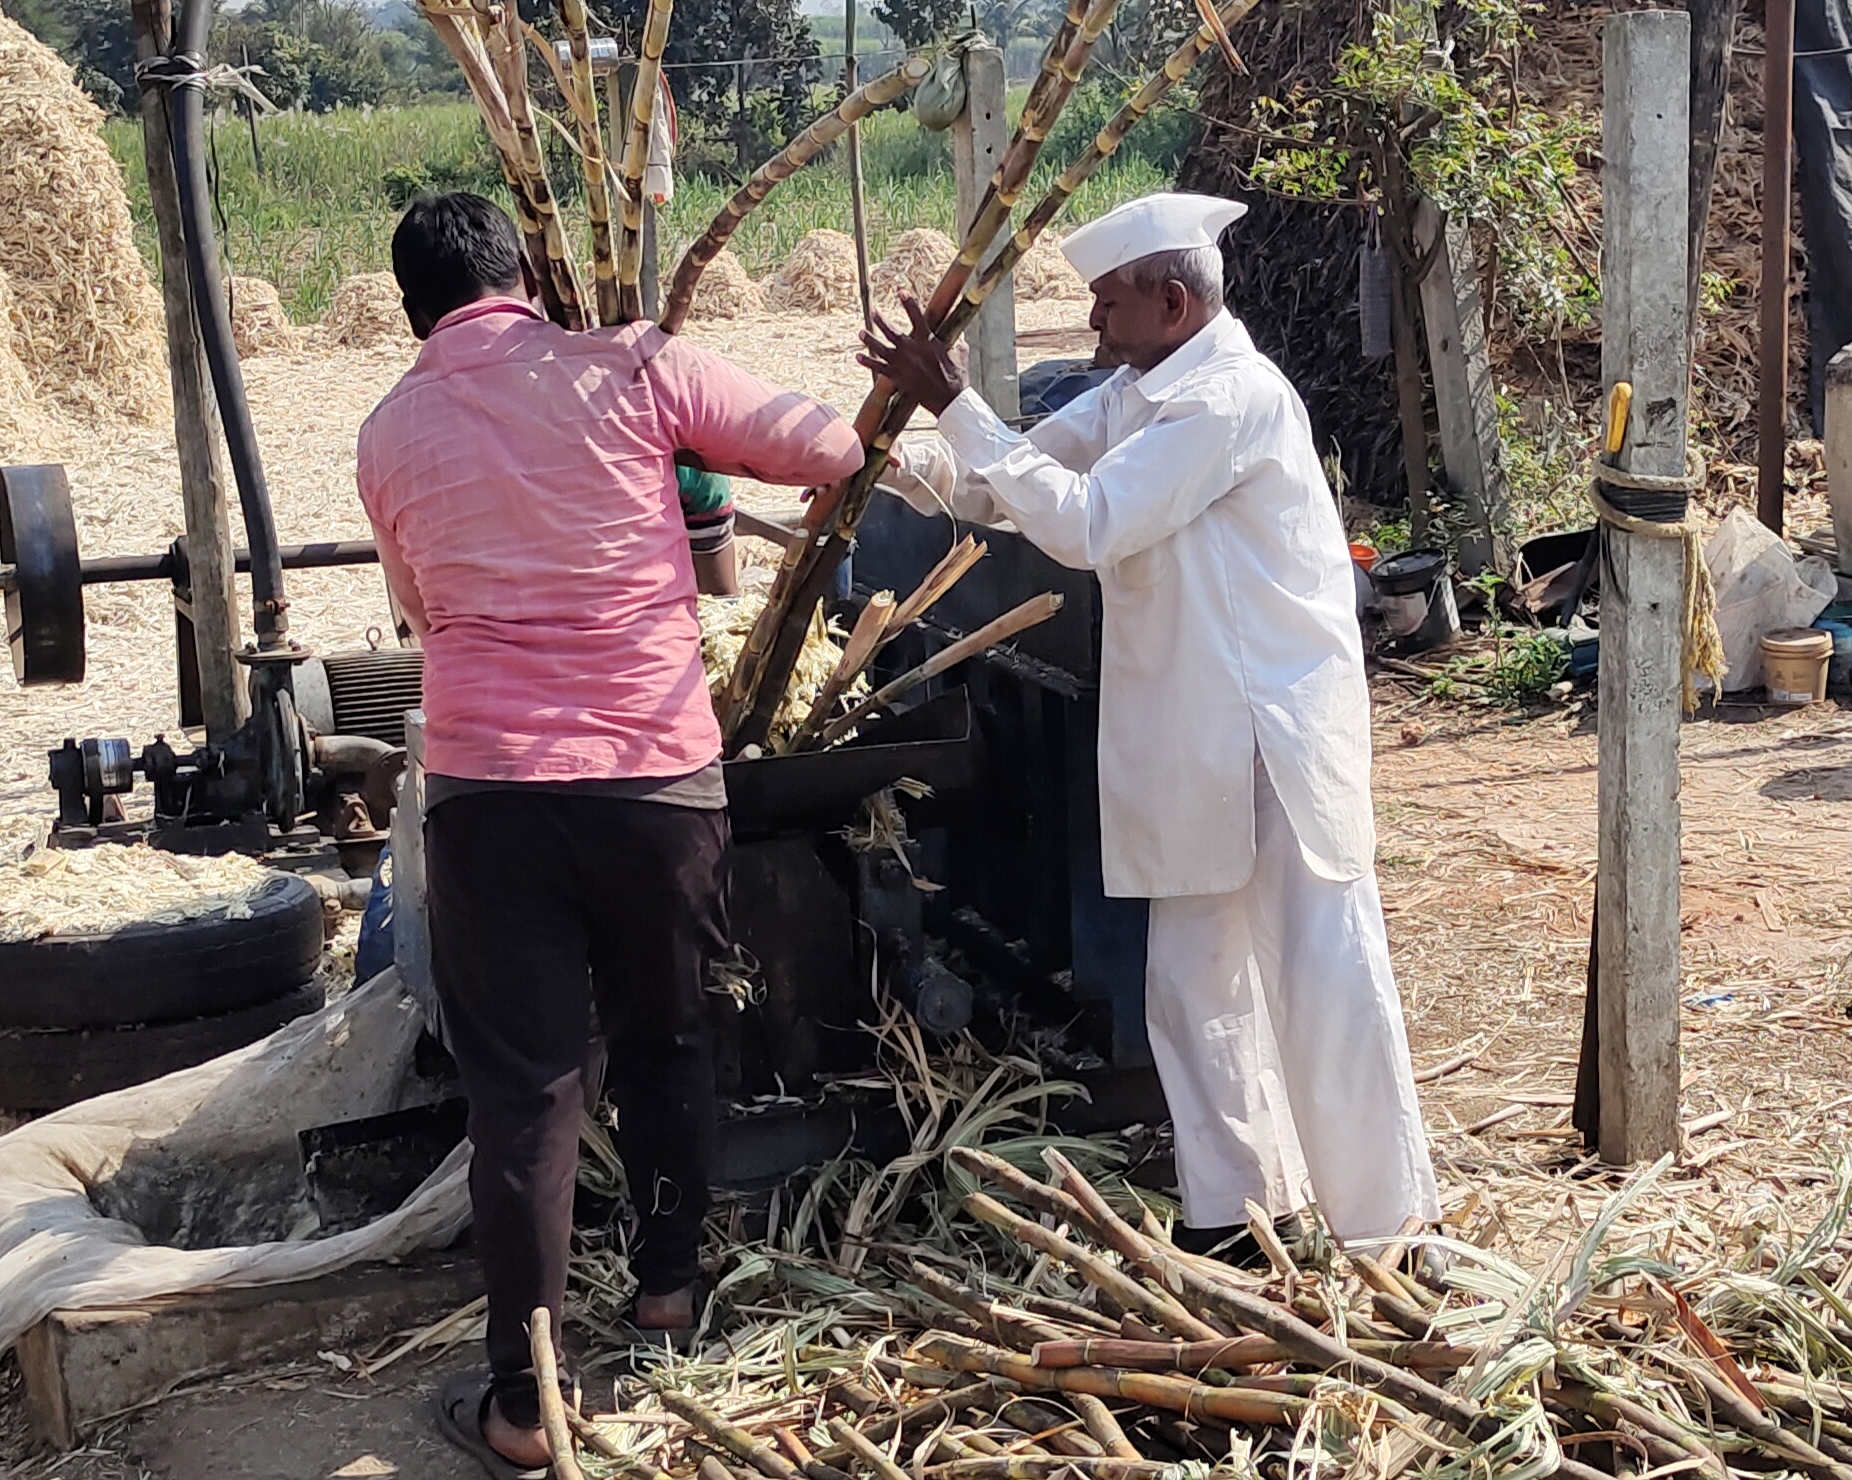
[(58, 891)]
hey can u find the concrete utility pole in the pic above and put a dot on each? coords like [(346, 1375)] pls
[(980, 138), (1646, 63)]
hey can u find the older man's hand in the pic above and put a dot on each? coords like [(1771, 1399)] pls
[(920, 365)]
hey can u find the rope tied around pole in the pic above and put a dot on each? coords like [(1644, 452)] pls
[(189, 69), (1658, 507)]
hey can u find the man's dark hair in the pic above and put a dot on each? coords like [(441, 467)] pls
[(451, 250)]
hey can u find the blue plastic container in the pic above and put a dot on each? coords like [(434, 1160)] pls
[(1839, 667)]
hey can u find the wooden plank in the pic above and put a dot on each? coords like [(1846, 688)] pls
[(1839, 454), (980, 138), (858, 208), (214, 613), (81, 1366), (1645, 190), (1470, 451), (1777, 196), (1713, 28)]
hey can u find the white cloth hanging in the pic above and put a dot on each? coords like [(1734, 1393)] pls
[(659, 167)]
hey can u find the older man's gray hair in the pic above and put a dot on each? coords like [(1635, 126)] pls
[(1199, 269)]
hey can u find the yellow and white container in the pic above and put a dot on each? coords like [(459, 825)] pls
[(1794, 664)]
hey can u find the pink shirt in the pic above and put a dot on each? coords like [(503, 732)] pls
[(521, 484)]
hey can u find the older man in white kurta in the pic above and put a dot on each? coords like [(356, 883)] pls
[(1234, 751)]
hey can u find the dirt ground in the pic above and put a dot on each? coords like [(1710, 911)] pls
[(1486, 856)]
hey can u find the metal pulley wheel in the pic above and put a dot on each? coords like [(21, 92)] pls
[(41, 575), (285, 752)]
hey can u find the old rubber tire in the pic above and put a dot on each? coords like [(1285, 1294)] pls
[(49, 1068), (155, 973)]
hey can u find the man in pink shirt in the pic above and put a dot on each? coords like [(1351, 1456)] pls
[(521, 483)]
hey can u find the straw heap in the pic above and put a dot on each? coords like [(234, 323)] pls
[(1044, 273), (86, 319), (725, 623), (365, 311), (21, 416), (726, 290), (818, 277), (260, 325), (915, 262)]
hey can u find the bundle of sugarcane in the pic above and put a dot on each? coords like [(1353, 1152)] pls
[(1118, 1356), (491, 50), (754, 694)]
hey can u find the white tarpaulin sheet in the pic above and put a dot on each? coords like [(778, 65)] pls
[(210, 1151)]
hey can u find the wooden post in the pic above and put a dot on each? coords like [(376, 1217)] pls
[(858, 210), (223, 701), (1463, 396), (1645, 218), (1713, 26), (1777, 186), (1839, 453), (980, 138)]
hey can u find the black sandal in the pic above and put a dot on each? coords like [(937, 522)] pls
[(462, 1404)]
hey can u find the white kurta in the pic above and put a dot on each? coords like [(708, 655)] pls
[(1234, 767), (1229, 608)]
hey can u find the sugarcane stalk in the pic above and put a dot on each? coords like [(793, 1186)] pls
[(774, 172), (918, 1415), (1665, 1441), (711, 1468), (1003, 1325), (583, 95), (1233, 1354), (552, 1406), (507, 54), (1067, 1310), (940, 579), (636, 154), (1160, 1310), (864, 641), (1047, 1427), (763, 670), (1104, 1426), (730, 1436), (868, 1452), (1045, 1466), (601, 1443), (1173, 1394), (1735, 1409), (1036, 609)]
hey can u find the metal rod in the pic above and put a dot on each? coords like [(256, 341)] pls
[(857, 208), (1777, 183), (110, 569)]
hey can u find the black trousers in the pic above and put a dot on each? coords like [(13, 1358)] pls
[(539, 903)]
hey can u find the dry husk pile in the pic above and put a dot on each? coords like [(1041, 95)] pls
[(915, 262), (726, 290), (21, 416), (1002, 1302), (260, 324), (818, 277), (365, 312), (1045, 274), (86, 319), (58, 891)]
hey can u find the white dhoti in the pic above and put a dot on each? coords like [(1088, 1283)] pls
[(1278, 1038)]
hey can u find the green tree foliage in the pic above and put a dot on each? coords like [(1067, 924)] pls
[(741, 72), (1438, 111), (94, 36), (318, 54)]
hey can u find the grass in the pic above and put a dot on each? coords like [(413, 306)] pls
[(334, 184)]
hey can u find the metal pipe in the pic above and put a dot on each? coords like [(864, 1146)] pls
[(324, 554), (269, 616), (1777, 183)]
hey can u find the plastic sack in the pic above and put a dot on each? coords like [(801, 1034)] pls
[(1760, 587), (939, 100), (118, 1199)]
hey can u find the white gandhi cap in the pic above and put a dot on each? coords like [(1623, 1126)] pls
[(1170, 222)]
